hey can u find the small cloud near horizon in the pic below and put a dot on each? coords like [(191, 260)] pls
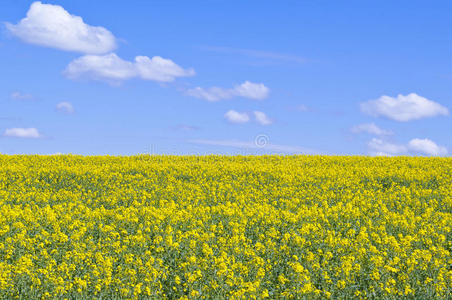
[(404, 108), (27, 133)]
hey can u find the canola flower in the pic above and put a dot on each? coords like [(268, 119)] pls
[(202, 227)]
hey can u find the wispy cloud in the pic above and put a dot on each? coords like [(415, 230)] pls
[(381, 147), (250, 90), (257, 144), (21, 96), (262, 118), (269, 55), (65, 107), (185, 127), (370, 128)]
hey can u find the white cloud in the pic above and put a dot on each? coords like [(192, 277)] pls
[(160, 69), (236, 117), (370, 128), (65, 107), (108, 66), (111, 67), (404, 108), (250, 90), (210, 94), (381, 147), (52, 26), (262, 118), (255, 145), (426, 146), (21, 96), (415, 146), (31, 133)]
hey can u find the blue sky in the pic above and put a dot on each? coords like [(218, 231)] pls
[(227, 77)]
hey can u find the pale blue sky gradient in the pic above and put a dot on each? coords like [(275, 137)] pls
[(319, 59)]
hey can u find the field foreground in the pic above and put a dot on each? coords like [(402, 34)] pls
[(225, 227)]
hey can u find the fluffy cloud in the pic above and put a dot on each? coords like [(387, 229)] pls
[(415, 146), (31, 133), (65, 107), (52, 26), (250, 90), (403, 108), (236, 117), (111, 67), (262, 118), (370, 128), (257, 91), (426, 146)]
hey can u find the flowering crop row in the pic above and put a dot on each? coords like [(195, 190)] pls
[(225, 227)]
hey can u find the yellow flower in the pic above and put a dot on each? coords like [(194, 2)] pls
[(234, 227)]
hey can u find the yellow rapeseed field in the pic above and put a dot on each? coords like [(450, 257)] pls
[(225, 227)]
